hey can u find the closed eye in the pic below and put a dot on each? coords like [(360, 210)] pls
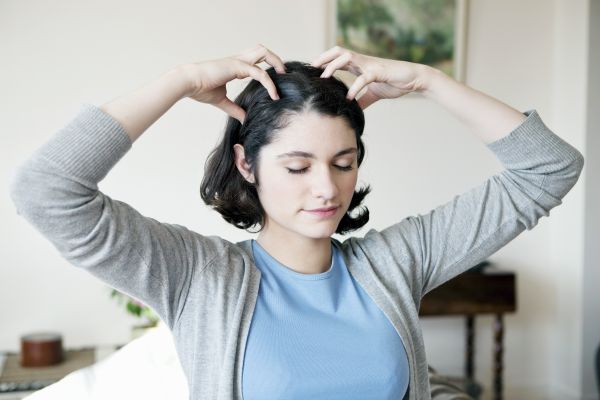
[(303, 170)]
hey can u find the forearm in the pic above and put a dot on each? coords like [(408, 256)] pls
[(487, 117), (140, 109)]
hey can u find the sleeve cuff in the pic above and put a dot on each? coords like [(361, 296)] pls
[(88, 146), (530, 144)]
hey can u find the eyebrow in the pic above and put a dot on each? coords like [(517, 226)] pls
[(305, 154)]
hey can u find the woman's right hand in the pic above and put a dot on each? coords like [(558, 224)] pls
[(208, 79)]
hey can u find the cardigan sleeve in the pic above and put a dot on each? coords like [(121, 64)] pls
[(56, 191), (429, 249)]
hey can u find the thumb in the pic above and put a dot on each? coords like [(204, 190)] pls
[(232, 109), (367, 99)]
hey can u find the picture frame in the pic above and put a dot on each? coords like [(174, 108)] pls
[(431, 32)]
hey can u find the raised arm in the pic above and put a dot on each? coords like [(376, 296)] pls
[(485, 116), (137, 111), (424, 251), (388, 79), (56, 189), (204, 82)]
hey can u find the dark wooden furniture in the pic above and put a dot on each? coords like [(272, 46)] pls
[(17, 382), (483, 289)]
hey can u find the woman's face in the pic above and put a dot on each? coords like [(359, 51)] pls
[(311, 164)]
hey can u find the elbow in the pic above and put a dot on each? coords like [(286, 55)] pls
[(579, 161), (575, 168), (27, 187), (17, 188), (558, 185)]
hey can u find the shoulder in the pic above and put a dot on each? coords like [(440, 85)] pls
[(400, 240), (213, 252), (390, 256), (225, 256)]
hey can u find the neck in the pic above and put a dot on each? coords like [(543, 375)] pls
[(301, 254)]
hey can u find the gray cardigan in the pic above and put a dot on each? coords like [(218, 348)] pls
[(204, 287)]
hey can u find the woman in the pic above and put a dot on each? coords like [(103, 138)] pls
[(294, 314)]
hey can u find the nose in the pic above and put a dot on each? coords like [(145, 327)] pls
[(324, 184)]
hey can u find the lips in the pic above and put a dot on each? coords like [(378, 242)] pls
[(323, 209)]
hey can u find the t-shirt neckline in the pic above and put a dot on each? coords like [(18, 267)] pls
[(290, 272)]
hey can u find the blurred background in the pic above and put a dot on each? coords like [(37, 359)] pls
[(531, 54)]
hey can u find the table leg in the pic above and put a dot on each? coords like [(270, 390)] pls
[(498, 354), (470, 348)]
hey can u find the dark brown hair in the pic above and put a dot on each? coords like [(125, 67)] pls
[(300, 89)]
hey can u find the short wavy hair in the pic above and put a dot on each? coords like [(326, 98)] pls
[(300, 89)]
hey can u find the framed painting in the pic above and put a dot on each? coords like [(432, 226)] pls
[(431, 32)]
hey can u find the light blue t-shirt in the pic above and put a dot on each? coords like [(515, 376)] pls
[(319, 336)]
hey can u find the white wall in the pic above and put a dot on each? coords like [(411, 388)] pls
[(530, 54), (591, 270)]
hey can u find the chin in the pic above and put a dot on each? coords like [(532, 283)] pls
[(322, 233)]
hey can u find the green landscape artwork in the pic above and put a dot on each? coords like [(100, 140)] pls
[(421, 31)]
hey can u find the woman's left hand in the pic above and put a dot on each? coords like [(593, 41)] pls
[(384, 78)]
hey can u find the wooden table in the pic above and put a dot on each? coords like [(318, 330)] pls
[(17, 382), (483, 289)]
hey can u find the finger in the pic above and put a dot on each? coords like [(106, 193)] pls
[(275, 61), (327, 56), (360, 82), (232, 109), (367, 99), (339, 63), (260, 75), (260, 53)]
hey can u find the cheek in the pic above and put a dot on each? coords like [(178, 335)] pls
[(279, 192), (348, 188), (349, 185), (284, 185)]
